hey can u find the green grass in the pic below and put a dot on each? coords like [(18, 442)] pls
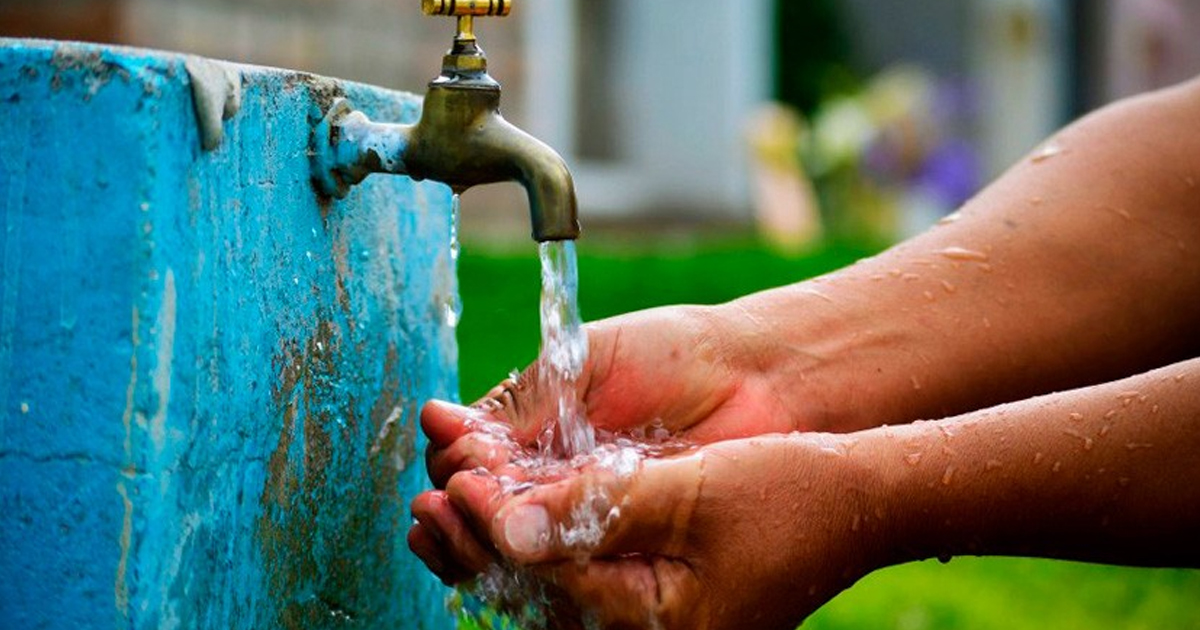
[(499, 332)]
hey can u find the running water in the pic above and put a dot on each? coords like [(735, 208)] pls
[(564, 352), (567, 444), (452, 305)]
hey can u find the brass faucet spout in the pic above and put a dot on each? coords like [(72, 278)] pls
[(461, 139)]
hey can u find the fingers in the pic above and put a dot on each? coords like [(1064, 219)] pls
[(444, 422), (596, 513), (444, 541), (474, 450)]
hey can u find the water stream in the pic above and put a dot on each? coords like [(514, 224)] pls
[(452, 305), (563, 355), (567, 443)]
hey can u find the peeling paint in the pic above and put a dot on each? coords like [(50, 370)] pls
[(216, 97), (221, 430), (164, 344), (121, 585), (88, 62)]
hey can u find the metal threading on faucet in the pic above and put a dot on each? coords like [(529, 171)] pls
[(460, 140), (461, 8)]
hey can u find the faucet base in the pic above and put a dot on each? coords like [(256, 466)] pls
[(326, 170)]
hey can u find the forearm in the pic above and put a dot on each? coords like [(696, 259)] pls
[(1108, 473), (1071, 270)]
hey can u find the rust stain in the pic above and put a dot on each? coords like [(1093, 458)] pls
[(331, 502)]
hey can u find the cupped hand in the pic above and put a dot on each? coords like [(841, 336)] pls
[(752, 533), (681, 369)]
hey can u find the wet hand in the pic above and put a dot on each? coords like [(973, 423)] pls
[(670, 542)]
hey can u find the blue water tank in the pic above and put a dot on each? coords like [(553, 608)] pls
[(209, 375)]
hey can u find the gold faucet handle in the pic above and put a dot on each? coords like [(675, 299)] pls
[(467, 8)]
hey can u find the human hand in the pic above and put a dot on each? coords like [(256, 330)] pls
[(748, 533), (679, 369)]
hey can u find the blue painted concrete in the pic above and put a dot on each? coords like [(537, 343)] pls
[(209, 377)]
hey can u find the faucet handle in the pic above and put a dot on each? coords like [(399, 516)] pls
[(467, 8)]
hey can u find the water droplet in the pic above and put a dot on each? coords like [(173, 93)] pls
[(856, 523), (992, 464), (895, 273), (1121, 212), (929, 296), (910, 277), (949, 288), (1154, 409), (948, 476), (817, 294), (1038, 457), (1110, 414), (1036, 201), (1047, 151), (1056, 467), (1134, 446), (963, 254), (877, 277), (912, 459), (950, 218), (451, 313), (1104, 430), (1178, 378), (987, 323), (24, 407), (1076, 416)]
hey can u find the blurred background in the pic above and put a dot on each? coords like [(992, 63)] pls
[(723, 147)]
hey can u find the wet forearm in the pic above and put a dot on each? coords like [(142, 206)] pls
[(1109, 473), (1073, 268)]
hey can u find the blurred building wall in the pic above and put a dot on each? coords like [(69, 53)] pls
[(646, 100)]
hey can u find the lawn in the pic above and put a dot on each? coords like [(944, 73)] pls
[(499, 332)]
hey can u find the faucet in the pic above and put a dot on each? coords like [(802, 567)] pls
[(460, 140)]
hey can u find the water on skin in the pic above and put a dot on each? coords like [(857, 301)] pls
[(569, 443)]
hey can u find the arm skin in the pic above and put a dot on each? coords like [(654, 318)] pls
[(1091, 274), (1107, 473), (1067, 271)]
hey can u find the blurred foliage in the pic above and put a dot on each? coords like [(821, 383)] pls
[(499, 332), (1016, 594)]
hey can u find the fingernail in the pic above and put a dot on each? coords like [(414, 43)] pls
[(527, 529)]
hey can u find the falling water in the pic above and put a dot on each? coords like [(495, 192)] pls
[(569, 443), (564, 351), (452, 305)]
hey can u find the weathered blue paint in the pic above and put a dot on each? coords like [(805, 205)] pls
[(209, 378)]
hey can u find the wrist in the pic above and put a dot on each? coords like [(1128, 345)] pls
[(901, 492), (831, 364)]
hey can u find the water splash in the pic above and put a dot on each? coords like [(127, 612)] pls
[(564, 352), (568, 444)]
